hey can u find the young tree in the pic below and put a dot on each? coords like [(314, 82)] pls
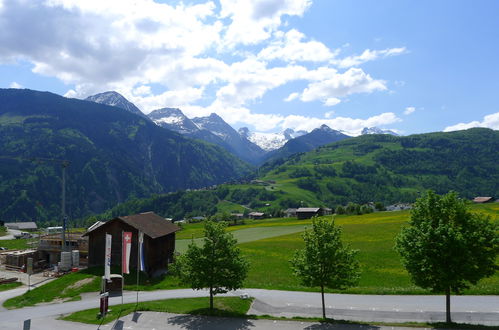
[(325, 261), (217, 265), (446, 248)]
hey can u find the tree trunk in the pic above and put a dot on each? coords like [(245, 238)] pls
[(447, 306), (323, 304), (211, 298)]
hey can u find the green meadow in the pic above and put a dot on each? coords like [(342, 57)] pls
[(270, 244)]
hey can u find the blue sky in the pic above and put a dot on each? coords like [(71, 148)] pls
[(411, 66)]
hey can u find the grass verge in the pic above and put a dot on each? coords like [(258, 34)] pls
[(8, 286), (65, 288), (223, 306)]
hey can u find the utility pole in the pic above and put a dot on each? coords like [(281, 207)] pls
[(64, 164)]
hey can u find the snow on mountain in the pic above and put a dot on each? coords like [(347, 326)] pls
[(215, 124), (115, 99), (376, 130), (173, 119), (270, 141)]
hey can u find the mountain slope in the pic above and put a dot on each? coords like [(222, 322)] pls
[(114, 155), (393, 169), (307, 142), (115, 99), (241, 146)]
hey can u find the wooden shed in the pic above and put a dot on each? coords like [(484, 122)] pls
[(159, 241), (309, 212)]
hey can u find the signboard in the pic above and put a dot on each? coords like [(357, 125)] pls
[(107, 256), (29, 268)]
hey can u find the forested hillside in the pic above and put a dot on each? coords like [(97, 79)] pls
[(114, 155), (395, 169), (370, 168)]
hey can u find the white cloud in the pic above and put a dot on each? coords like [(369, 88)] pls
[(253, 21), (329, 114), (409, 110), (194, 54), (338, 85), (15, 85), (368, 55), (351, 126), (289, 47), (489, 121)]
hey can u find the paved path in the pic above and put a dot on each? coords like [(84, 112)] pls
[(466, 309), (155, 320), (10, 234)]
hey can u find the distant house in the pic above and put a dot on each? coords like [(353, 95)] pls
[(256, 215), (238, 216), (24, 226), (50, 247), (327, 211), (159, 241), (399, 207), (483, 199), (290, 213), (309, 212)]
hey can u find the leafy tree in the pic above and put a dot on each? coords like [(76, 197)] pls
[(217, 265), (446, 248), (325, 261)]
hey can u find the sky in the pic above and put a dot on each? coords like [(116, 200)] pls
[(409, 66)]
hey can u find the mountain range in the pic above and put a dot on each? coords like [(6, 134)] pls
[(114, 155), (252, 147)]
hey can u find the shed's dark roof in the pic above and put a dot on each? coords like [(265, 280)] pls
[(149, 223)]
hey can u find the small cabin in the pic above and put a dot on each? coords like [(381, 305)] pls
[(309, 212), (159, 241)]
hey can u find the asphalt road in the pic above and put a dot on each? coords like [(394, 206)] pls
[(10, 234), (369, 308)]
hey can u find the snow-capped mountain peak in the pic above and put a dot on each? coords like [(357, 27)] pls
[(115, 99), (173, 119), (270, 141), (377, 130)]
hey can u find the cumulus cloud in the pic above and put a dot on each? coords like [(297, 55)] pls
[(489, 121), (195, 55), (338, 85), (409, 110), (368, 55), (351, 126), (15, 85), (253, 21), (290, 47)]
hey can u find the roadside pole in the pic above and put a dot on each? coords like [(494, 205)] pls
[(122, 278)]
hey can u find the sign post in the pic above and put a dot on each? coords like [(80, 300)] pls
[(104, 303), (29, 271)]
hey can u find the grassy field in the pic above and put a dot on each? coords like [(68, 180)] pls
[(373, 235), (8, 286), (3, 231), (223, 306), (66, 288), (269, 245)]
